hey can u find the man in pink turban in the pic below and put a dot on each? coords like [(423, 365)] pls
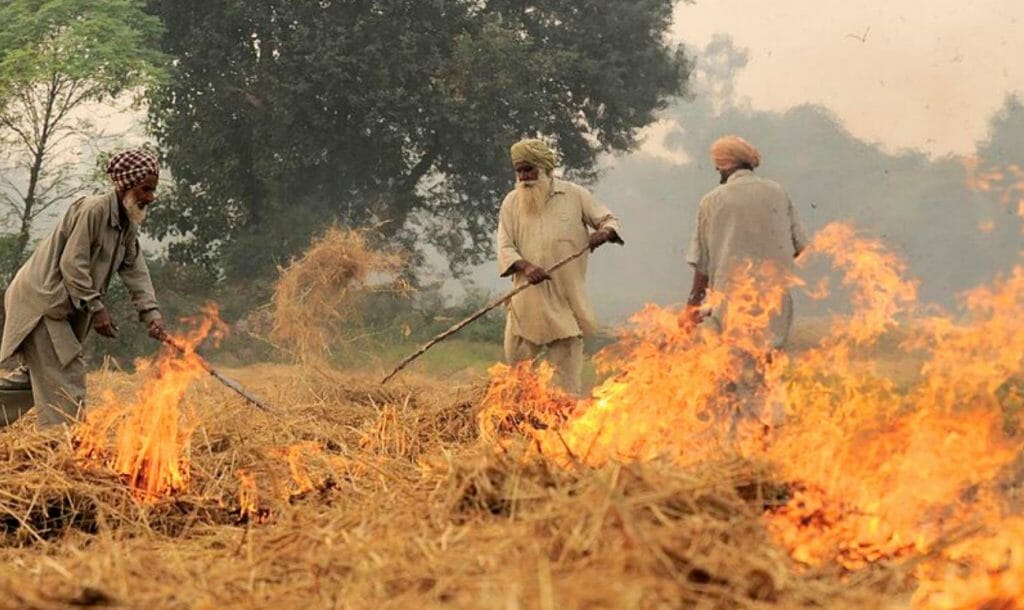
[(746, 226), (733, 153), (59, 294)]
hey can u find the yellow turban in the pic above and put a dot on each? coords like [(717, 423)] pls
[(731, 152), (535, 152)]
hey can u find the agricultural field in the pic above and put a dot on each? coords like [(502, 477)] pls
[(879, 468)]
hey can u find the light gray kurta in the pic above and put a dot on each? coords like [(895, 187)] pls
[(747, 219), (68, 274), (558, 308)]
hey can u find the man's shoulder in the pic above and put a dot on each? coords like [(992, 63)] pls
[(509, 199), (565, 186), (769, 183), (97, 204), (713, 195)]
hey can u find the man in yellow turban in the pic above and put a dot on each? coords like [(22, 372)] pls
[(542, 221)]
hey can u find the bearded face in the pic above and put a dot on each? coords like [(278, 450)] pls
[(134, 208), (533, 194), (136, 199)]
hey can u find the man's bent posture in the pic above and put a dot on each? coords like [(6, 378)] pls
[(57, 295)]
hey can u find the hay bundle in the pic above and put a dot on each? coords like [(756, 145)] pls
[(321, 291)]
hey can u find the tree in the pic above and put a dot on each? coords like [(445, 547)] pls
[(281, 117), (57, 56)]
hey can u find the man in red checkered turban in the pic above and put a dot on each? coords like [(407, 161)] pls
[(60, 293), (129, 168), (135, 174)]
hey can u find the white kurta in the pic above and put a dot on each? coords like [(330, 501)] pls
[(748, 218), (558, 308)]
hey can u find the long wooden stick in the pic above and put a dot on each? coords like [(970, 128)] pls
[(231, 383), (477, 315)]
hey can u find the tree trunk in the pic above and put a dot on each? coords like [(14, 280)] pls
[(25, 230), (38, 157)]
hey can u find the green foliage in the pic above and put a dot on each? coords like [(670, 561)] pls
[(8, 258), (100, 45), (282, 117), (55, 57)]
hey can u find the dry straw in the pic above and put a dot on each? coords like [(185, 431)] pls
[(391, 500), (319, 293)]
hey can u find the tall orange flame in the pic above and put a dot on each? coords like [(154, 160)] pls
[(147, 442), (878, 468)]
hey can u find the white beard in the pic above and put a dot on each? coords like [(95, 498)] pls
[(136, 214), (533, 194)]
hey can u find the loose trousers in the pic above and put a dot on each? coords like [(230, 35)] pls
[(564, 355), (58, 392)]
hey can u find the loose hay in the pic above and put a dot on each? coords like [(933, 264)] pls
[(321, 291), (386, 498)]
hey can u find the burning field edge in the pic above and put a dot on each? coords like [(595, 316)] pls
[(703, 472), (365, 497)]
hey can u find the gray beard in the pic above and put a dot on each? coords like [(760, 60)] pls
[(533, 194), (136, 214)]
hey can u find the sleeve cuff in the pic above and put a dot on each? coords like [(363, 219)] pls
[(149, 315), (93, 306), (507, 270)]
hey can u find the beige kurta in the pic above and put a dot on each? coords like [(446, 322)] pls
[(747, 219), (558, 308), (66, 277)]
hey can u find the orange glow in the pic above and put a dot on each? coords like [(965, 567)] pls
[(298, 457), (248, 497), (1005, 181), (147, 442), (877, 467)]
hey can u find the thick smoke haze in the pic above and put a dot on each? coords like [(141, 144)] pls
[(919, 205)]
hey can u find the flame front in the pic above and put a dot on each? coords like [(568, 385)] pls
[(147, 442), (878, 466)]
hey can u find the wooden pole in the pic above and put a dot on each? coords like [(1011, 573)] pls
[(234, 385), (477, 315)]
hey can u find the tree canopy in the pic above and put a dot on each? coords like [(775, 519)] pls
[(281, 117), (55, 57)]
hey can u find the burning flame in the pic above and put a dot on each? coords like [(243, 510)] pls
[(290, 472), (1006, 181), (147, 442), (878, 468)]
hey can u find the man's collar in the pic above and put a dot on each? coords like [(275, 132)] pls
[(740, 173), (115, 209), (557, 186)]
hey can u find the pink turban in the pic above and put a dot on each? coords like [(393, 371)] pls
[(127, 169), (731, 152)]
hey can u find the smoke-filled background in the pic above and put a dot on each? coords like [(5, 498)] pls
[(332, 176), (276, 122)]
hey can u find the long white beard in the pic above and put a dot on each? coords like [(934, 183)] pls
[(136, 214), (533, 194)]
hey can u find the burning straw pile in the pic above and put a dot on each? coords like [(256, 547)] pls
[(430, 495), (321, 291), (361, 497)]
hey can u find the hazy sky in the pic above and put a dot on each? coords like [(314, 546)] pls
[(928, 73)]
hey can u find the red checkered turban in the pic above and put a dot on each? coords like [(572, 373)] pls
[(127, 169)]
